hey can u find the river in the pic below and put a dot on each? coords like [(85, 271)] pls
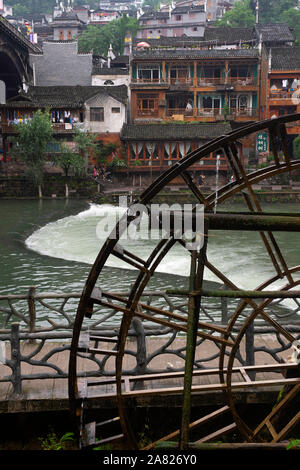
[(52, 244)]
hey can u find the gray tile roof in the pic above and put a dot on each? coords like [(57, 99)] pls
[(71, 97), (151, 54), (274, 32), (98, 70), (60, 64), (285, 58), (227, 35), (134, 132)]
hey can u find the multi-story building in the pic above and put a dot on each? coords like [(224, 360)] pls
[(189, 20), (198, 85), (284, 85), (101, 16), (98, 110), (182, 92)]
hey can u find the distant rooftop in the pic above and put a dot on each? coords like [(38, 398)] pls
[(174, 131), (194, 53), (65, 96), (285, 58), (274, 32)]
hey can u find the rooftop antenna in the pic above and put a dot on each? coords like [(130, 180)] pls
[(256, 11)]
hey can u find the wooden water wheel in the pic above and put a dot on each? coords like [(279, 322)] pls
[(229, 340)]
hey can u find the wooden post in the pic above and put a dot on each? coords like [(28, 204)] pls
[(31, 308), (141, 352), (250, 348), (195, 78), (196, 280), (15, 361), (224, 308)]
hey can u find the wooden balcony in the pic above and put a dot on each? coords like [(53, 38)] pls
[(10, 127), (283, 98), (210, 113)]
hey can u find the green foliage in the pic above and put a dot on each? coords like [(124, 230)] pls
[(240, 15), (53, 442), (99, 39), (83, 141), (296, 147), (30, 144), (117, 163), (32, 6), (272, 11), (294, 443), (153, 4), (105, 151), (67, 160), (292, 17)]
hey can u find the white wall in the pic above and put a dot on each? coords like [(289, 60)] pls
[(113, 122), (98, 80)]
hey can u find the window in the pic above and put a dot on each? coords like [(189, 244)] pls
[(148, 72), (108, 82), (179, 73), (61, 35), (178, 17), (97, 114), (143, 151), (69, 34), (147, 104), (115, 110)]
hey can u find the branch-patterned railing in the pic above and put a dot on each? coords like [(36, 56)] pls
[(44, 321)]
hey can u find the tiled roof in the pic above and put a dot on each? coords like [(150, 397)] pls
[(173, 131), (278, 32), (66, 96), (194, 54), (98, 70), (228, 35), (171, 41), (60, 63), (285, 58)]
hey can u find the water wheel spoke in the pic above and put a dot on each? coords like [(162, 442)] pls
[(194, 188), (282, 134), (273, 145)]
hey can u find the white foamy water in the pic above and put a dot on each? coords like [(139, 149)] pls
[(240, 256)]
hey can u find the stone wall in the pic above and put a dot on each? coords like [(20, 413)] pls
[(53, 186)]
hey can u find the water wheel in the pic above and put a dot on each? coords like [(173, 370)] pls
[(236, 370)]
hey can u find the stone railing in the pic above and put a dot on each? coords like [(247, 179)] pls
[(36, 327)]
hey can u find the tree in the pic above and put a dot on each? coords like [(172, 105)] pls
[(240, 15), (33, 6), (105, 151), (30, 145), (99, 39), (296, 147), (271, 11), (292, 17), (83, 143), (67, 160)]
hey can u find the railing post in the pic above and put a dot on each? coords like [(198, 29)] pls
[(250, 348), (15, 361), (31, 308), (141, 353), (224, 308)]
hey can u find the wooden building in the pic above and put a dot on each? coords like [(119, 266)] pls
[(152, 149), (95, 109)]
